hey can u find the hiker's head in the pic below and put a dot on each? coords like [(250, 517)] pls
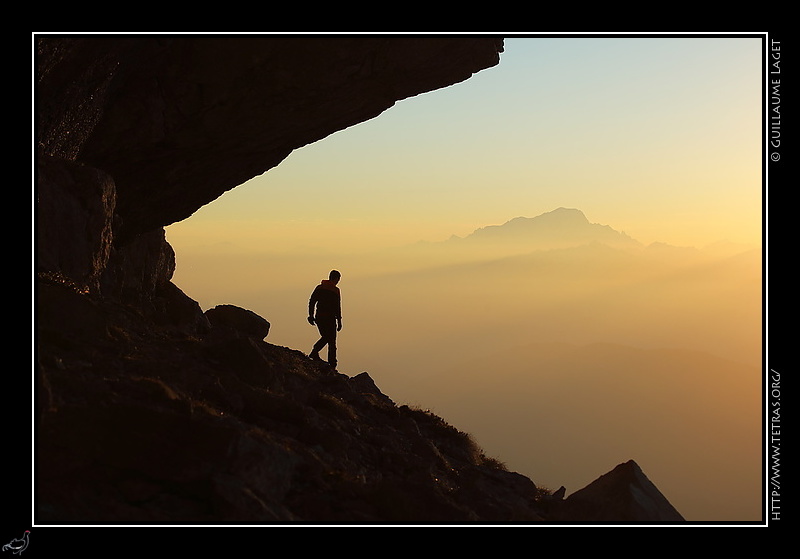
[(335, 276)]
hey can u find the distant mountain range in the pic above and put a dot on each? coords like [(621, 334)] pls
[(561, 228), (568, 228), (557, 228), (556, 231)]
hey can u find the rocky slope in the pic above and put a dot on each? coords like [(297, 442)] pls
[(140, 423), (149, 410), (143, 424)]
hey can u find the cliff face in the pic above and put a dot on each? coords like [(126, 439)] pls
[(135, 133), (178, 121), (148, 409)]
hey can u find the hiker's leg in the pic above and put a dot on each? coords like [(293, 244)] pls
[(327, 331), (332, 348), (320, 342)]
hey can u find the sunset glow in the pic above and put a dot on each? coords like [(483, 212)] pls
[(563, 362)]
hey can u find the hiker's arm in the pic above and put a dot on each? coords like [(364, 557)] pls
[(311, 302)]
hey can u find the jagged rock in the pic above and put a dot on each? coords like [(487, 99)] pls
[(175, 431), (179, 120), (625, 494), (238, 319), (148, 410), (74, 214), (137, 132), (148, 425), (364, 384)]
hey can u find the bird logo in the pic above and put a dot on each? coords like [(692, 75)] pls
[(17, 546)]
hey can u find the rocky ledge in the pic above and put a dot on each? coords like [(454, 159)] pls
[(144, 424), (149, 410)]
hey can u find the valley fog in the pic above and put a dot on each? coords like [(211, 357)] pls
[(565, 348)]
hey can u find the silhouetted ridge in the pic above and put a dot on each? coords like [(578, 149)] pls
[(554, 229), (141, 423), (149, 410), (624, 493)]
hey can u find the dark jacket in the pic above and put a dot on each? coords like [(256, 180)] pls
[(327, 299)]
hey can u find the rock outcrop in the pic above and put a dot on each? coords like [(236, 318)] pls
[(238, 320), (134, 133), (624, 494), (147, 408), (144, 426), (178, 120)]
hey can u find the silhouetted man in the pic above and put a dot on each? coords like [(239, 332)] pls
[(325, 310)]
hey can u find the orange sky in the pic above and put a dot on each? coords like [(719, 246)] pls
[(659, 138)]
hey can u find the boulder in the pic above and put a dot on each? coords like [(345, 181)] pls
[(238, 319), (624, 494)]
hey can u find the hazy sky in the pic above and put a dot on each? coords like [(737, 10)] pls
[(656, 137), (659, 137)]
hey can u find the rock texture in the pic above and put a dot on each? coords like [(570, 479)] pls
[(147, 408), (134, 133), (238, 320), (139, 426), (625, 494), (177, 121)]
